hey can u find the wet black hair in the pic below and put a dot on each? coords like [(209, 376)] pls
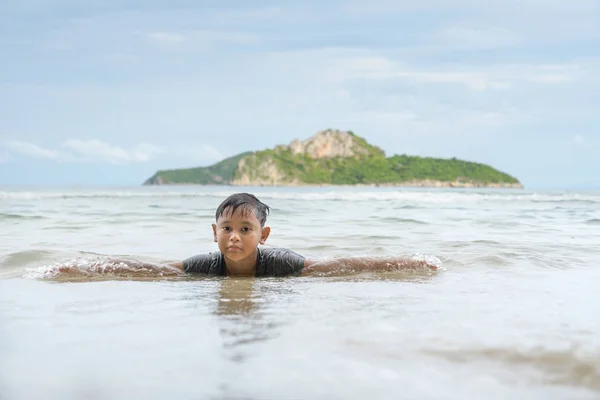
[(248, 203)]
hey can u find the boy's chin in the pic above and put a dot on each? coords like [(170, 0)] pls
[(235, 255)]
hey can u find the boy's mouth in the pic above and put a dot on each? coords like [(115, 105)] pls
[(234, 248)]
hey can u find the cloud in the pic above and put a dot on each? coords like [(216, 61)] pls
[(76, 150), (484, 25), (95, 150), (349, 68), (382, 68), (32, 150), (387, 7), (437, 121)]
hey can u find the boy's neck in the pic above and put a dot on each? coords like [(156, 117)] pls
[(245, 267)]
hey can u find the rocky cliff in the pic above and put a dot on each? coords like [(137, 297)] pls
[(269, 167), (329, 143)]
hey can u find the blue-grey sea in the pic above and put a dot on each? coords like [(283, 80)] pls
[(512, 313)]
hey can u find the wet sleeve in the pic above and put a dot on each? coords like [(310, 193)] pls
[(284, 262), (198, 264)]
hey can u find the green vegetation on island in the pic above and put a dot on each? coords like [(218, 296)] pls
[(337, 158), (374, 170), (220, 173)]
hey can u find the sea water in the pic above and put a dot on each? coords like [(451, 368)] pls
[(512, 312)]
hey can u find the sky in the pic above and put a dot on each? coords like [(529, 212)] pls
[(107, 92)]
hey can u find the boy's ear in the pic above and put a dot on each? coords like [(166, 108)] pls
[(214, 226), (265, 234)]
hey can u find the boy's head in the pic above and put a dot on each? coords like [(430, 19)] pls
[(247, 203), (240, 227)]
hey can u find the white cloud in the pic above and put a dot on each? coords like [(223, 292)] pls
[(87, 151), (381, 68), (387, 7), (95, 150), (480, 24), (32, 150), (76, 150), (446, 121), (145, 152), (348, 68)]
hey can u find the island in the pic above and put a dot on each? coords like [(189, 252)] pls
[(335, 157)]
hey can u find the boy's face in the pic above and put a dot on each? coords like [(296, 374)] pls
[(239, 234)]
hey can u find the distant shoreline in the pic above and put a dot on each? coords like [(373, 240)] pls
[(408, 184)]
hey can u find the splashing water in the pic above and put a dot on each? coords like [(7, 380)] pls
[(100, 267)]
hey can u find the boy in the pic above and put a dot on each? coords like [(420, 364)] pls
[(239, 229)]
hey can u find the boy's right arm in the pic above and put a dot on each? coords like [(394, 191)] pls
[(199, 263), (140, 266), (176, 267), (122, 267)]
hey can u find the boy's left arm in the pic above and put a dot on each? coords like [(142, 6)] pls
[(363, 264)]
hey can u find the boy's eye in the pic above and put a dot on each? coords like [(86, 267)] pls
[(227, 228), (245, 229)]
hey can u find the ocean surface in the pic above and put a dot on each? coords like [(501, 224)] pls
[(512, 313)]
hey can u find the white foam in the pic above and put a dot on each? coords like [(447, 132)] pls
[(434, 196), (429, 259)]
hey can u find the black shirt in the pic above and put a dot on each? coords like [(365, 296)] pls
[(269, 262)]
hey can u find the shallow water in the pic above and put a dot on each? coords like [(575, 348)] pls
[(512, 313)]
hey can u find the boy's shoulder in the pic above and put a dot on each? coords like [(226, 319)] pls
[(205, 263), (276, 251), (279, 261)]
